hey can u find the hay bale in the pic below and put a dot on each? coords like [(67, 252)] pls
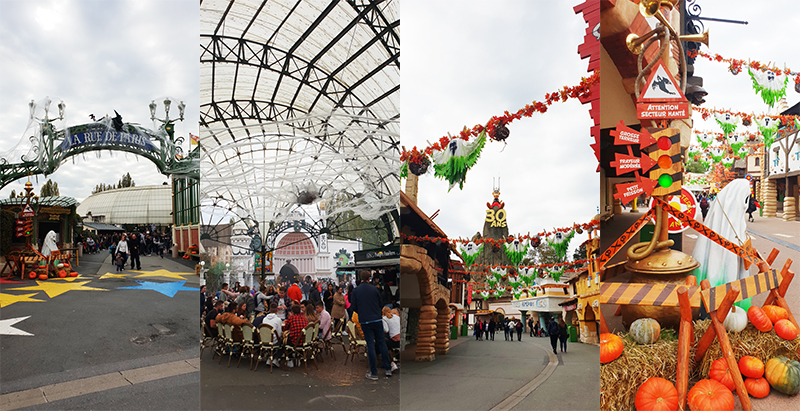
[(621, 378)]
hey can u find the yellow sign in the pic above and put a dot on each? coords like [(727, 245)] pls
[(497, 218)]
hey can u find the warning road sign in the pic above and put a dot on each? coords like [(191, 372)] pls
[(662, 97)]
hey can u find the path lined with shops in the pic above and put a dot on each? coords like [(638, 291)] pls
[(504, 375)]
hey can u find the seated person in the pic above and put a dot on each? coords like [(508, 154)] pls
[(211, 318), (310, 312), (229, 317), (295, 324), (391, 326), (274, 320), (324, 321)]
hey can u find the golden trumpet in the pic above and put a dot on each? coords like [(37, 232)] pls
[(696, 38)]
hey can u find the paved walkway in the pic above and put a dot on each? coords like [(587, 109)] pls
[(504, 375), (101, 340)]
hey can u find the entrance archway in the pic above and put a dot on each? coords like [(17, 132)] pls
[(298, 249)]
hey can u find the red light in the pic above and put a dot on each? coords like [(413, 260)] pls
[(664, 143)]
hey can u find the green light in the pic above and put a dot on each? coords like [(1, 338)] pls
[(665, 180)]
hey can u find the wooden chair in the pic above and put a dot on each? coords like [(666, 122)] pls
[(268, 345), (354, 343), (208, 340), (219, 344), (308, 348), (229, 343), (248, 344), (337, 338)]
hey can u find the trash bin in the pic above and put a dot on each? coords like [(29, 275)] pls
[(453, 332), (573, 333), (464, 329)]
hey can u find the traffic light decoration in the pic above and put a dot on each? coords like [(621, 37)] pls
[(668, 172), (24, 228)]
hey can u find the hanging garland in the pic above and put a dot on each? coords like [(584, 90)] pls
[(495, 129), (781, 119), (533, 239), (735, 65)]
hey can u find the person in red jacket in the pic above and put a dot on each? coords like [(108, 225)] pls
[(295, 293)]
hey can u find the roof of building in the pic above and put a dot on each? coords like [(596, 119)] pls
[(103, 227), (61, 201), (131, 205)]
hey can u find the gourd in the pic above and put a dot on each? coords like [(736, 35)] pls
[(759, 319), (719, 372), (783, 374), (610, 347), (710, 395), (736, 320), (645, 331), (751, 367), (657, 394), (775, 313), (786, 329), (757, 387)]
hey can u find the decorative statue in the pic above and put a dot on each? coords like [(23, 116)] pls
[(727, 218), (49, 243)]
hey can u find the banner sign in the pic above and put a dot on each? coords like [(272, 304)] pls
[(101, 135)]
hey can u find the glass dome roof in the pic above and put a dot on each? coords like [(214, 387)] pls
[(300, 106)]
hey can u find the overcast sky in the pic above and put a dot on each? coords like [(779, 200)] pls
[(769, 36), (97, 56), (464, 62)]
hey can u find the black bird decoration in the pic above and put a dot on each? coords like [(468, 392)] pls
[(91, 116), (662, 83), (117, 121)]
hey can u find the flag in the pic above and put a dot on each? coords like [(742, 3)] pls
[(194, 139)]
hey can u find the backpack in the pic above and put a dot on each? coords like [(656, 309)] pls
[(704, 202), (552, 329)]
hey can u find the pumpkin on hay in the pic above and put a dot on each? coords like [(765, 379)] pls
[(62, 274), (757, 387), (645, 330), (73, 274), (785, 329), (657, 394), (736, 320), (783, 374), (42, 277), (751, 367), (710, 395), (719, 372), (759, 319), (610, 347), (775, 313), (32, 275)]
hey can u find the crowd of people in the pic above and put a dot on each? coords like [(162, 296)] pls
[(289, 308), (557, 330)]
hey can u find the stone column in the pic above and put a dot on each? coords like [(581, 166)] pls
[(769, 196), (442, 342), (789, 213), (426, 337)]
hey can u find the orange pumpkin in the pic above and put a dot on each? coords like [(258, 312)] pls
[(757, 387), (73, 274), (32, 275), (657, 394), (775, 313), (610, 347), (719, 372), (710, 395), (42, 277), (785, 329), (759, 319), (751, 367), (62, 274)]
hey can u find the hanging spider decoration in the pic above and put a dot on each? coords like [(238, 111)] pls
[(420, 166), (500, 132)]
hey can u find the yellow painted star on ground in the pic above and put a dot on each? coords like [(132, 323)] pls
[(112, 275), (79, 277), (54, 289), (8, 299), (163, 273)]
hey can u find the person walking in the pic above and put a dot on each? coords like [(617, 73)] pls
[(135, 246), (752, 205), (478, 330), (562, 334), (552, 330), (704, 206), (492, 328), (530, 326), (536, 329), (519, 330), (121, 252), (504, 324), (366, 301), (511, 329)]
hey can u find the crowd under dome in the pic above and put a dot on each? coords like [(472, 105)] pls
[(299, 107)]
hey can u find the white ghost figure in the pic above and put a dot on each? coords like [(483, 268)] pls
[(49, 244), (727, 218), (705, 138)]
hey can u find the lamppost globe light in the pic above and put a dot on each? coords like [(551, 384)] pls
[(32, 104), (181, 108), (61, 107), (167, 102), (152, 110)]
